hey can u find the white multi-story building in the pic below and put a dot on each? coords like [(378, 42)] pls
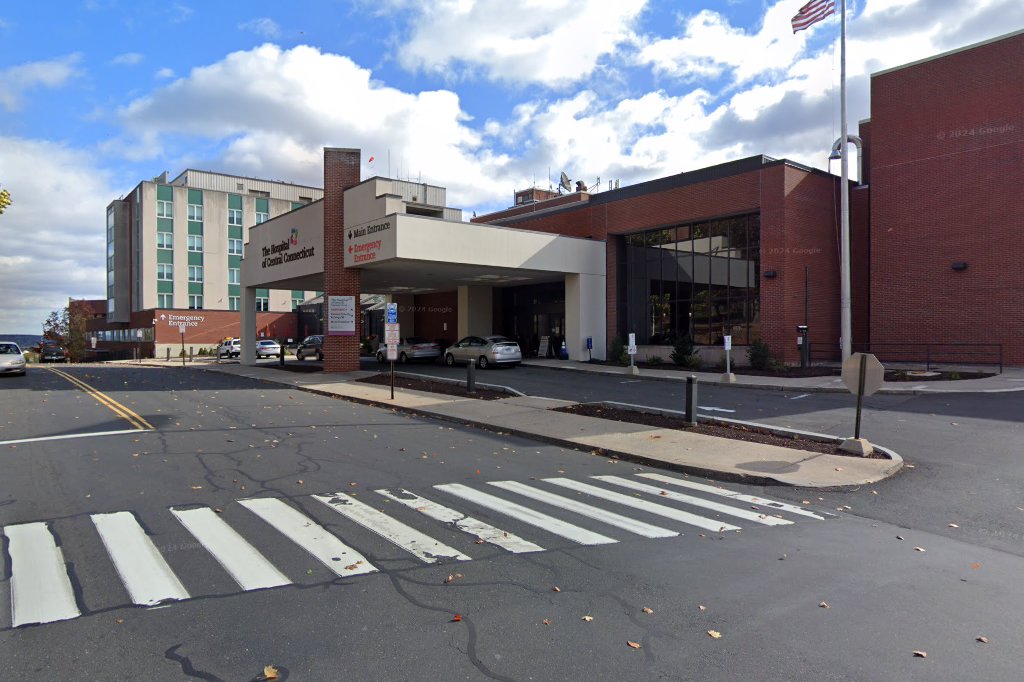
[(177, 245)]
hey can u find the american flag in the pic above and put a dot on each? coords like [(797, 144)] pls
[(813, 12)]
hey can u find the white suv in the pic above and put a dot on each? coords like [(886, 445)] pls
[(231, 348)]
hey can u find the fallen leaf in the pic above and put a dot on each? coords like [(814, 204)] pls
[(453, 577), (715, 634), (899, 537), (121, 620), (457, 618), (919, 549), (479, 541), (632, 645), (197, 487), (546, 621), (839, 468), (983, 639), (300, 482), (824, 605), (218, 510), (269, 672), (590, 618), (556, 588), (952, 525), (921, 654), (663, 493), (975, 565), (647, 610), (702, 607)]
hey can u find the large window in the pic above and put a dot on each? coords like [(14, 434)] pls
[(698, 279), (195, 242), (195, 273), (262, 303), (164, 240), (164, 271), (234, 302), (165, 300), (195, 212), (235, 216), (195, 302), (262, 217), (234, 247), (234, 276), (164, 209)]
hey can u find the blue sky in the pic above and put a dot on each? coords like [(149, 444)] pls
[(481, 96)]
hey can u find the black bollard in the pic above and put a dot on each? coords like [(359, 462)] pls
[(691, 400), (471, 377)]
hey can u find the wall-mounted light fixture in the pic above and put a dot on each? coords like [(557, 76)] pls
[(960, 265), (770, 274)]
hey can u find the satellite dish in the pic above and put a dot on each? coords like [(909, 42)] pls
[(566, 183)]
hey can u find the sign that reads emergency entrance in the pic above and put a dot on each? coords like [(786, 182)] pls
[(341, 315), (370, 242)]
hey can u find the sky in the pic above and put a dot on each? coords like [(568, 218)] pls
[(483, 97)]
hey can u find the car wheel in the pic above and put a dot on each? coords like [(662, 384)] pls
[(482, 362), (320, 356), (299, 355), (380, 357), (403, 358), (449, 359)]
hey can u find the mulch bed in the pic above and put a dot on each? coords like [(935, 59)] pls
[(802, 372), (300, 367), (415, 384), (735, 432)]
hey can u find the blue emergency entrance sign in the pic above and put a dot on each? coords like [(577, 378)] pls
[(392, 313)]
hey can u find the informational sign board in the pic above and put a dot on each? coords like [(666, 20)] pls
[(632, 345), (874, 373), (392, 314), (92, 340), (181, 329), (545, 344), (727, 341), (392, 333), (392, 352), (341, 315)]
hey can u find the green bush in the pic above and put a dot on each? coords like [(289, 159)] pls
[(684, 352), (655, 360), (760, 356), (202, 351), (617, 351)]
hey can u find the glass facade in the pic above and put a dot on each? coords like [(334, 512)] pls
[(697, 279)]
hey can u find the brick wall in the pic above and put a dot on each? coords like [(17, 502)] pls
[(947, 143), (341, 171)]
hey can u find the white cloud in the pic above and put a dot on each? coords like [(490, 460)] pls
[(52, 73), (128, 59), (542, 42), (164, 74), (54, 231), (263, 27)]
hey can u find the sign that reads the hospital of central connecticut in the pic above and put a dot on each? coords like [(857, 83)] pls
[(285, 251), (370, 242)]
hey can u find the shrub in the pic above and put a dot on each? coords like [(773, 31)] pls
[(955, 376), (617, 351), (684, 352), (655, 360), (202, 351), (760, 356)]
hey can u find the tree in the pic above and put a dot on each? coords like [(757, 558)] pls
[(5, 200), (66, 326)]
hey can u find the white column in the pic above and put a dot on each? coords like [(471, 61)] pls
[(475, 311), (585, 315), (247, 331)]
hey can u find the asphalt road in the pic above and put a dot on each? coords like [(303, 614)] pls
[(218, 441)]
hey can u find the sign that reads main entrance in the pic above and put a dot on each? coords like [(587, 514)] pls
[(285, 251), (370, 242), (341, 315)]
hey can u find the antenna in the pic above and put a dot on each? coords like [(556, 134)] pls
[(565, 183)]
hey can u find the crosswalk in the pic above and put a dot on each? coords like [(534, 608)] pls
[(602, 510)]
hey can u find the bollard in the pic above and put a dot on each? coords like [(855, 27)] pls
[(190, 354), (691, 400), (280, 355), (471, 376), (168, 354)]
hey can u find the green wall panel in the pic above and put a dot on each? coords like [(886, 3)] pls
[(164, 256), (234, 261), (234, 231), (194, 227), (195, 288), (195, 258), (235, 201), (164, 193), (164, 287), (165, 225), (263, 293), (234, 290), (195, 196), (262, 205)]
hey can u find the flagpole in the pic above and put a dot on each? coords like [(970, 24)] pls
[(844, 267)]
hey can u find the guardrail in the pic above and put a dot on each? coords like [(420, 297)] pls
[(928, 353)]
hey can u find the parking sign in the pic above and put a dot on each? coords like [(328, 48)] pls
[(392, 313)]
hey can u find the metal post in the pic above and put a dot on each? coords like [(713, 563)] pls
[(471, 376), (392, 379), (183, 349), (691, 400), (191, 350), (168, 349), (860, 391)]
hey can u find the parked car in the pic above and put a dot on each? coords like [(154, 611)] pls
[(311, 347), (484, 351), (268, 348), (413, 348), (51, 351), (11, 359), (230, 348)]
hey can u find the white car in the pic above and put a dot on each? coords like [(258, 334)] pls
[(268, 349), (231, 348), (11, 359)]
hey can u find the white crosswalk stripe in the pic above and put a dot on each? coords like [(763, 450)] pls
[(526, 515), (40, 588), (145, 574), (467, 524), (644, 505), (722, 492), (603, 515), (242, 561), (747, 514), (423, 547), (310, 536)]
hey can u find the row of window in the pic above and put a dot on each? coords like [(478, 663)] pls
[(195, 302), (164, 209), (165, 272), (165, 240)]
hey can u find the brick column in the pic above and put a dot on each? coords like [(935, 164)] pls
[(341, 171)]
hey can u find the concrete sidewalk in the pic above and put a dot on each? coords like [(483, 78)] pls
[(722, 458), (1010, 380)]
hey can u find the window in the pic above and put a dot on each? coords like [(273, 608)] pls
[(234, 247), (262, 217), (110, 278), (164, 240), (263, 303), (163, 209), (195, 273), (165, 300), (195, 302), (110, 306), (195, 212), (164, 271), (235, 217), (296, 302), (195, 242), (234, 276), (234, 302)]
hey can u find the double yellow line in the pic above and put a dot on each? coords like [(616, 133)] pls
[(116, 407)]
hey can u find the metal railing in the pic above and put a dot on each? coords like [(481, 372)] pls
[(988, 354)]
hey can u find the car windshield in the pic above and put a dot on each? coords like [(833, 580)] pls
[(499, 339), (9, 349)]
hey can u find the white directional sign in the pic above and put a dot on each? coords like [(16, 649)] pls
[(392, 333), (874, 373)]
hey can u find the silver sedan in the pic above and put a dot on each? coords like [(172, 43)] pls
[(484, 351)]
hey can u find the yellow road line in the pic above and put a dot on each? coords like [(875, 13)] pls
[(114, 406)]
